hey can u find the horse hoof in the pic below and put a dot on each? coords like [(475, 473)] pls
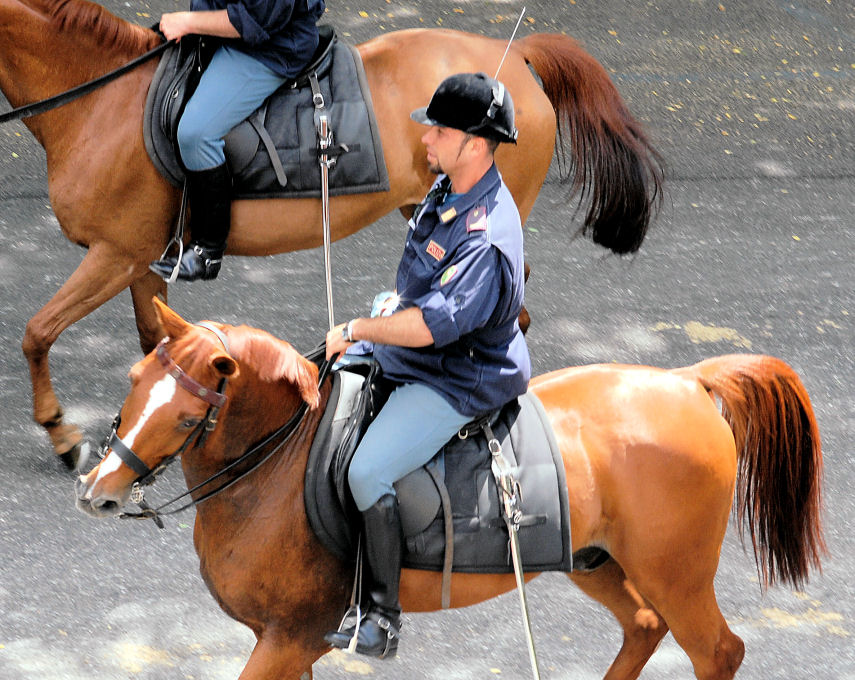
[(76, 457)]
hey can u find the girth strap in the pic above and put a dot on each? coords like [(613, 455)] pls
[(448, 559), (270, 146)]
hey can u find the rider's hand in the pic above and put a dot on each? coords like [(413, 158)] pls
[(336, 342), (176, 25)]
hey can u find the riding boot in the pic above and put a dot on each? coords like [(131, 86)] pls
[(209, 195), (380, 628)]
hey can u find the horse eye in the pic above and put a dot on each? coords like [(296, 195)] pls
[(190, 423)]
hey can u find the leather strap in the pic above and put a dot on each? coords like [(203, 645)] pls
[(267, 140), (448, 559), (214, 398), (128, 457), (63, 98)]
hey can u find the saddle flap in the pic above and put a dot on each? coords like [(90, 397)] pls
[(418, 501), (274, 153)]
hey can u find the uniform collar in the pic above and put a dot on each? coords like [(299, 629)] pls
[(463, 203)]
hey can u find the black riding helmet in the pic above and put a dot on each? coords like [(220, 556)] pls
[(474, 103)]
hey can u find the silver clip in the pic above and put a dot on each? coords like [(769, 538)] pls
[(137, 494)]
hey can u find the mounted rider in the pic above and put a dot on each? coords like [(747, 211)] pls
[(267, 43), (450, 340)]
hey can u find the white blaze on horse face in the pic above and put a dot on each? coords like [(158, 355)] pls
[(160, 395)]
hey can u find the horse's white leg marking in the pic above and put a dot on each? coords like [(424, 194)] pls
[(160, 395)]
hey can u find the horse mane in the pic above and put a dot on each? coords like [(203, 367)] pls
[(274, 359), (93, 21)]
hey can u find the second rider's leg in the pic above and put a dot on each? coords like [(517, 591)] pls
[(232, 87)]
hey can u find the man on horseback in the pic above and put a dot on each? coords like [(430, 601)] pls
[(450, 340), (267, 42)]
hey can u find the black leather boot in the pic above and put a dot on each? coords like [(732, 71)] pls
[(209, 195), (380, 628)]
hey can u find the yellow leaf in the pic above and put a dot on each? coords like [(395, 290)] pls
[(363, 14), (612, 32), (458, 10), (796, 238)]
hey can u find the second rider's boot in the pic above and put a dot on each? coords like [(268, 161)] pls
[(209, 196)]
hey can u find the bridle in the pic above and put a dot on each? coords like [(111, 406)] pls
[(215, 399)]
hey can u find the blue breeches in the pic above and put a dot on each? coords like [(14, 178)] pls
[(231, 88), (411, 427)]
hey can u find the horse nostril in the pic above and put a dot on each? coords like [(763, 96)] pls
[(105, 505)]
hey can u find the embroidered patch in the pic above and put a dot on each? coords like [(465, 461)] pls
[(476, 220), (435, 250), (448, 274), (449, 214)]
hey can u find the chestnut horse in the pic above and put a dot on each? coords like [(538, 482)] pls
[(108, 197), (651, 464)]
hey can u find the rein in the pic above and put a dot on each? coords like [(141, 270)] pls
[(147, 476), (63, 98)]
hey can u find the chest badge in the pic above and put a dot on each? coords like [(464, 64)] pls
[(435, 250), (476, 220)]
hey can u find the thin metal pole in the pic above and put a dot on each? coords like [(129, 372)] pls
[(324, 134), (519, 21)]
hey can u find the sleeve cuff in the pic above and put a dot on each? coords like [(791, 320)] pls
[(250, 30), (439, 319)]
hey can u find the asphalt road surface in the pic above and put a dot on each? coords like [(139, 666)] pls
[(752, 104)]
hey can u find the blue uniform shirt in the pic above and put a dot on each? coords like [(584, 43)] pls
[(463, 267), (281, 34)]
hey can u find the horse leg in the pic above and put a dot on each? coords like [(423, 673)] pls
[(674, 568), (100, 276), (643, 627), (278, 658), (142, 291), (700, 629)]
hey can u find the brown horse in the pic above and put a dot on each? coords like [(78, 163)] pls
[(651, 464), (109, 198)]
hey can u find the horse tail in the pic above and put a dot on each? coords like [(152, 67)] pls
[(779, 469), (602, 150)]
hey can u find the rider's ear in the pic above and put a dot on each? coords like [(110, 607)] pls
[(170, 322), (225, 365)]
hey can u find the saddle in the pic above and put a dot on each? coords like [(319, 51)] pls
[(274, 153), (451, 506)]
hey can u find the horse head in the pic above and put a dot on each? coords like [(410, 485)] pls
[(197, 395)]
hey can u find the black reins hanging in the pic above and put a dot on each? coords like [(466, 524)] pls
[(76, 92)]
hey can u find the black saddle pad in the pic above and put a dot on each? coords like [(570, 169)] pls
[(283, 127), (463, 467)]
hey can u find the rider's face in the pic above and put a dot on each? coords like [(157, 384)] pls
[(447, 149)]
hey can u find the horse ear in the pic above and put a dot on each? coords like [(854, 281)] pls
[(302, 373), (170, 322), (224, 365)]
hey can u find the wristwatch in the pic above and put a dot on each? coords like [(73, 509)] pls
[(347, 331)]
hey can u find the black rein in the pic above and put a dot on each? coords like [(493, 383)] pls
[(70, 95)]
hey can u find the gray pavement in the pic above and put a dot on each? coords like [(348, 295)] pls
[(752, 104)]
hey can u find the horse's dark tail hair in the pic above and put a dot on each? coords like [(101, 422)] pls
[(779, 473), (602, 150)]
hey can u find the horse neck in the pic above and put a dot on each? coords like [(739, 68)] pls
[(276, 488), (49, 46)]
